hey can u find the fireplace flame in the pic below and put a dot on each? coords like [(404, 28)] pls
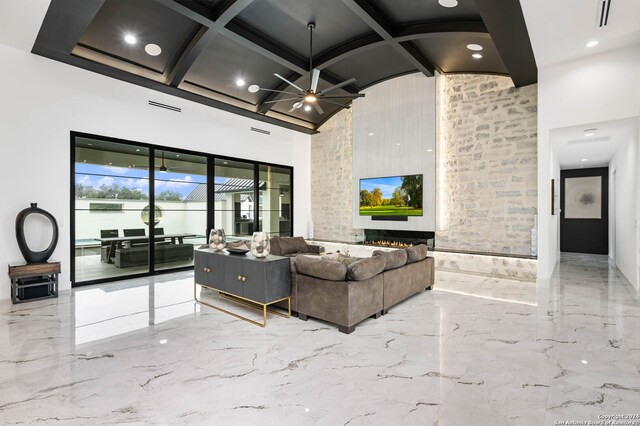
[(387, 243)]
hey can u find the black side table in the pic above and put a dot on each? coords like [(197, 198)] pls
[(34, 281)]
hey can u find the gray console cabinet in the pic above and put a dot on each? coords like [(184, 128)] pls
[(263, 281)]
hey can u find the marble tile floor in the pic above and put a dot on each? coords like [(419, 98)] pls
[(475, 351)]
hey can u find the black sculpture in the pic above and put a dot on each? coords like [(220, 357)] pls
[(29, 255)]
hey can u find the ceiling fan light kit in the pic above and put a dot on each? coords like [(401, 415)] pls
[(310, 98)]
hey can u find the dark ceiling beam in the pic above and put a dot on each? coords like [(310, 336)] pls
[(261, 43), (416, 30), (381, 25), (198, 44), (505, 22), (211, 27), (402, 34), (63, 38), (347, 49), (191, 10)]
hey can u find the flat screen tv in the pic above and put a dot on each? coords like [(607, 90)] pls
[(391, 196)]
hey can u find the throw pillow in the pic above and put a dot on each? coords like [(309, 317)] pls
[(365, 268), (321, 268), (416, 253), (393, 259), (292, 245)]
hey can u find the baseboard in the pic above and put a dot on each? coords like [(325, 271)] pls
[(626, 279)]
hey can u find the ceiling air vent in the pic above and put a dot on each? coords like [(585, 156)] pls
[(603, 12), (165, 106), (255, 129), (590, 140)]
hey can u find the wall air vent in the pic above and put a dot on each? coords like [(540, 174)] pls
[(603, 12), (165, 106), (255, 129)]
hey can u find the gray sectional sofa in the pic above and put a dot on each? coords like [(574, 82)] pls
[(346, 290)]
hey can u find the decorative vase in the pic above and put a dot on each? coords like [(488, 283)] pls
[(217, 239), (260, 246), (29, 255)]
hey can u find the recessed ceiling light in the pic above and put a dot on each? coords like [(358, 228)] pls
[(371, 134), (90, 144), (448, 3), (584, 361), (398, 144), (177, 155), (584, 159), (137, 149), (254, 88), (307, 108), (240, 82), (163, 341), (593, 43), (589, 134), (153, 49), (130, 39), (429, 150), (477, 55), (225, 162), (474, 47)]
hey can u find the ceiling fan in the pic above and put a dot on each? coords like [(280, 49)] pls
[(309, 98), (163, 168)]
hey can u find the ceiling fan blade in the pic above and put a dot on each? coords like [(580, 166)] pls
[(288, 82), (281, 100), (337, 86), (277, 91), (318, 108), (335, 103), (314, 80), (296, 106), (350, 95)]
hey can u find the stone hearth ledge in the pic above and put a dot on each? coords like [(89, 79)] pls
[(478, 264)]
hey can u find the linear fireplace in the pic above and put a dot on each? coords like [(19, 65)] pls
[(393, 238)]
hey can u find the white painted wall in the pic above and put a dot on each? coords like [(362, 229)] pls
[(623, 222), (594, 89), (393, 126), (43, 100)]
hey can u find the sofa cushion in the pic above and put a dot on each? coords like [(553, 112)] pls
[(393, 259), (345, 260), (320, 268), (416, 253), (365, 268), (289, 245)]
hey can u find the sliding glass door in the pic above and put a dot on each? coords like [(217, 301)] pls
[(275, 206), (138, 209), (180, 222), (111, 192), (234, 195)]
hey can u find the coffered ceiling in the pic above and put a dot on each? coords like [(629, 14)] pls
[(208, 47)]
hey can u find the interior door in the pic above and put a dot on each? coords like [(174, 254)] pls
[(584, 216)]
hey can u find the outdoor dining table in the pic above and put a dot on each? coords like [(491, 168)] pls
[(116, 242)]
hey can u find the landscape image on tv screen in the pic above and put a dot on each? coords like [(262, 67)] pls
[(391, 196)]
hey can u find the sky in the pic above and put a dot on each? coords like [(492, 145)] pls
[(138, 178), (387, 185)]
